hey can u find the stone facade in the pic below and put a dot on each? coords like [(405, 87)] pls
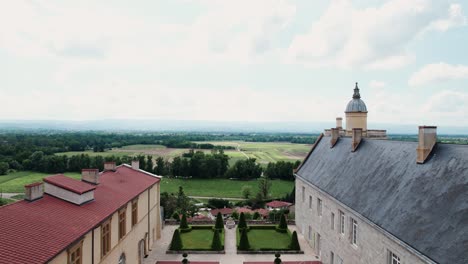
[(373, 244)]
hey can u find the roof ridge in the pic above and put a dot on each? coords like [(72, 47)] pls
[(140, 170)]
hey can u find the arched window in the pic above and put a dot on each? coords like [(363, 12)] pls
[(122, 259)]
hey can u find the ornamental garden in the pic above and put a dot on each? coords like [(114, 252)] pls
[(250, 239)]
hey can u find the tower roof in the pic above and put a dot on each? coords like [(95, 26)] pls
[(356, 104)]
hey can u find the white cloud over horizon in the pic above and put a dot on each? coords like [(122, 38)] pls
[(235, 61)]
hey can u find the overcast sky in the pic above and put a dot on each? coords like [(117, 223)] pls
[(234, 60)]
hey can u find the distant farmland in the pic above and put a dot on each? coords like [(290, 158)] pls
[(263, 152)]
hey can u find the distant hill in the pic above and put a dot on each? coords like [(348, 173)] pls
[(203, 126)]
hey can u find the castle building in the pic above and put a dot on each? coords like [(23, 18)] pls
[(363, 200), (108, 217)]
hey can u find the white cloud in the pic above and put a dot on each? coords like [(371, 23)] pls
[(438, 72), (376, 84), (456, 18), (373, 38)]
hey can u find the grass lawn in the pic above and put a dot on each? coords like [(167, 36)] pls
[(4, 201), (199, 239), (222, 187), (14, 182), (268, 239)]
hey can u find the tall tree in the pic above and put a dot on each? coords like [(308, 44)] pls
[(149, 164), (264, 185)]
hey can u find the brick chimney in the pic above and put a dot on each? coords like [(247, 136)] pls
[(335, 134), (109, 166), (33, 191), (135, 164), (339, 122), (90, 175), (427, 138), (356, 138)]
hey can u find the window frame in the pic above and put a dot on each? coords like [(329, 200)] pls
[(303, 194), (354, 226), (122, 222), (106, 237), (393, 257), (134, 212), (310, 201), (342, 222), (332, 257), (332, 221), (72, 250), (319, 207)]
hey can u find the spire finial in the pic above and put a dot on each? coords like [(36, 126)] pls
[(356, 94)]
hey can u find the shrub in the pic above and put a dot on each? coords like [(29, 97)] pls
[(235, 215), (294, 242), (219, 203), (277, 258), (176, 243), (283, 224), (183, 222), (185, 260), (216, 244), (176, 216), (244, 240), (219, 221), (242, 223), (256, 215)]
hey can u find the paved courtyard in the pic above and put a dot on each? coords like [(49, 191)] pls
[(158, 252)]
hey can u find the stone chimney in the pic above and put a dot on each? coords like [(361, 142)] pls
[(135, 164), (339, 122), (427, 138), (109, 166), (335, 134), (90, 175), (33, 191), (356, 138)]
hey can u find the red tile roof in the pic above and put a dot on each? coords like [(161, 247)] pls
[(35, 232), (33, 184), (262, 212), (223, 211), (244, 210), (70, 184), (278, 204)]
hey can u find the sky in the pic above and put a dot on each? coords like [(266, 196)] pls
[(261, 60)]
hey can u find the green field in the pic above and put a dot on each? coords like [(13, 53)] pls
[(199, 239), (263, 152), (14, 183), (222, 187), (266, 239)]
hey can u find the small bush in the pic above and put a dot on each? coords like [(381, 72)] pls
[(176, 216), (294, 242), (216, 244), (244, 240), (183, 222), (256, 215), (219, 221), (242, 223), (277, 258), (176, 243), (235, 215), (283, 224)]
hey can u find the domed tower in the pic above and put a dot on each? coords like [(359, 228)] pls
[(356, 113)]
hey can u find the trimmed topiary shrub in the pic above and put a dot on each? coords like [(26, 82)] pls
[(242, 224), (216, 244), (244, 240), (183, 222), (219, 221), (185, 260), (235, 215), (294, 242), (176, 243), (283, 224)]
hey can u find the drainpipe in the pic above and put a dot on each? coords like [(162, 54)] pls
[(92, 246), (149, 218)]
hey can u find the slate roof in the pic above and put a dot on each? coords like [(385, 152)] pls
[(35, 232), (424, 205)]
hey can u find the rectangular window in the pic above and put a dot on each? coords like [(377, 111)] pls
[(134, 212), (342, 223), (310, 233), (122, 223), (310, 202), (318, 244), (332, 221), (75, 254), (393, 258), (332, 257), (303, 194), (319, 207), (353, 231), (105, 238)]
